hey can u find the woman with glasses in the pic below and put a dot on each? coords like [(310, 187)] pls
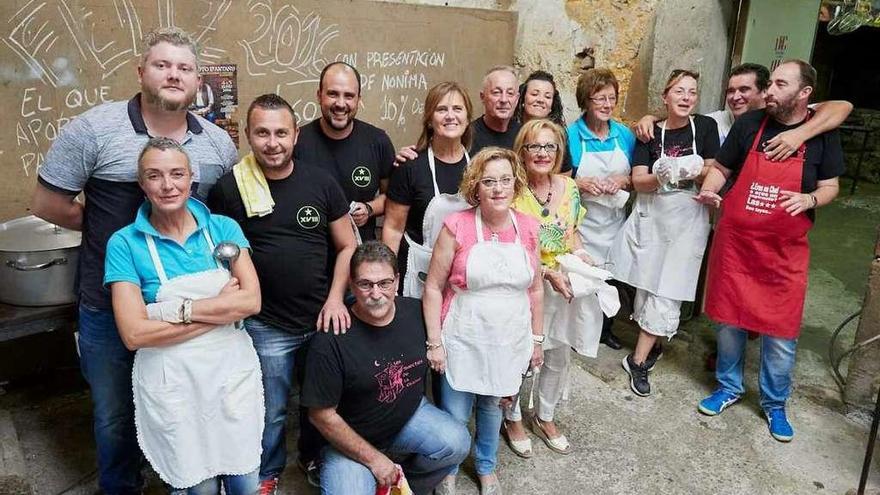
[(483, 304), (539, 99), (442, 159), (553, 201), (660, 248), (603, 149)]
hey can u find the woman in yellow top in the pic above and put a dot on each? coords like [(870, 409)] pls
[(569, 321)]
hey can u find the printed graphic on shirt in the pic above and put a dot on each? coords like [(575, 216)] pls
[(394, 378), (361, 176), (762, 198), (308, 217)]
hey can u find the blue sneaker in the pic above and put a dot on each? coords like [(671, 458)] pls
[(717, 402), (780, 428)]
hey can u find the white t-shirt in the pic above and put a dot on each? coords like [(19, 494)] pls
[(724, 119)]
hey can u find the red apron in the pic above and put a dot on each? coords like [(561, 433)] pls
[(760, 255)]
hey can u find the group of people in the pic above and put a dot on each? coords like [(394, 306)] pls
[(212, 287)]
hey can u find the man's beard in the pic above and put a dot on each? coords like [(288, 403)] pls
[(328, 119), (782, 110), (154, 98), (374, 304)]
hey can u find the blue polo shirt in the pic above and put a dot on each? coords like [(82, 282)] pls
[(128, 257), (619, 136)]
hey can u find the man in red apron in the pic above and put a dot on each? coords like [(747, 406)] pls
[(760, 255)]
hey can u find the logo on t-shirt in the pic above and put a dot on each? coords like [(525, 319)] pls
[(308, 217), (394, 378), (361, 176)]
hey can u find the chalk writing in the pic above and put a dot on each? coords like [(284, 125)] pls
[(414, 58)]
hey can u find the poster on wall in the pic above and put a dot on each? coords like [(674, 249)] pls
[(217, 97)]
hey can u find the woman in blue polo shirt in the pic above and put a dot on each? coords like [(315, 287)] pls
[(602, 149), (196, 381)]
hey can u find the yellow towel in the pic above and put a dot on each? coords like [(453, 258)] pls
[(252, 187)]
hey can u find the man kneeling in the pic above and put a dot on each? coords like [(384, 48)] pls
[(365, 390)]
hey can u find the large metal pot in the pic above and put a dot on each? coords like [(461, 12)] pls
[(38, 262)]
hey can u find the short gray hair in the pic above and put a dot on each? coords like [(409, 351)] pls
[(500, 68), (172, 35), (161, 144), (372, 252)]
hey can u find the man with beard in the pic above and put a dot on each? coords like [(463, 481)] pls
[(96, 154), (356, 153), (291, 251), (366, 391), (759, 259)]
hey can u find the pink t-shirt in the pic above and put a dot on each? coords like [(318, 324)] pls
[(463, 226)]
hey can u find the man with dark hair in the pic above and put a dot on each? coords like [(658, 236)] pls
[(96, 154), (759, 259), (365, 390), (358, 155), (294, 215)]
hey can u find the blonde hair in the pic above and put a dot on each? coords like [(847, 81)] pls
[(470, 182), (171, 35), (531, 129), (433, 98), (677, 75)]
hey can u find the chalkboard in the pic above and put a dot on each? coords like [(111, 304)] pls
[(62, 57)]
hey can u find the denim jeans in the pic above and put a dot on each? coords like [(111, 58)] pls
[(430, 446), (245, 484), (106, 365), (487, 425), (279, 351), (777, 363)]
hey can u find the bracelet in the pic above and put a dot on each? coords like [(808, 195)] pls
[(538, 339), (815, 201), (187, 311), (429, 346), (369, 209)]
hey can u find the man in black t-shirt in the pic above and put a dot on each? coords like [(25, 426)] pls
[(365, 390), (499, 94), (759, 260), (291, 249), (358, 155)]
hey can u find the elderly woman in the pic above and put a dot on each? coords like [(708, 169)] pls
[(196, 381), (442, 159), (569, 321), (660, 248), (603, 149), (539, 99), (483, 304)]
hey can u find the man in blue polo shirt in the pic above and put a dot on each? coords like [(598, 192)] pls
[(96, 155)]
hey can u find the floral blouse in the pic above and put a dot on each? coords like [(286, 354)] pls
[(557, 231)]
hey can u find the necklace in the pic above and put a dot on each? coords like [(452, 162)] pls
[(495, 231), (545, 211)]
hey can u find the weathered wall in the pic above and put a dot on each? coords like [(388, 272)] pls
[(641, 40), (864, 367)]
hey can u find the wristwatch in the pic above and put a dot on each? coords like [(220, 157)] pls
[(369, 208), (538, 339)]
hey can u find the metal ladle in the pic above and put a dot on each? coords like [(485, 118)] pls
[(226, 253)]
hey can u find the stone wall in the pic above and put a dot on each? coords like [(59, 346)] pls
[(852, 142)]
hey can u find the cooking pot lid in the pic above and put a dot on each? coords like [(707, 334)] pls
[(34, 234)]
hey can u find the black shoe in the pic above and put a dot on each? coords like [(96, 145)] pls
[(611, 341), (638, 376), (311, 470), (654, 355)]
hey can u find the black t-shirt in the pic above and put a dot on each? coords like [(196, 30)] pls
[(375, 376), (485, 137), (291, 245), (357, 162), (679, 142), (824, 155), (411, 185)]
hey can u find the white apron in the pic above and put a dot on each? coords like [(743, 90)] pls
[(660, 248), (198, 404), (602, 221), (418, 256), (487, 332)]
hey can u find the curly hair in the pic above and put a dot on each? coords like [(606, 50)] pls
[(470, 182), (555, 107)]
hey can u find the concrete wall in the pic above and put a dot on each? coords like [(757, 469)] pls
[(641, 40)]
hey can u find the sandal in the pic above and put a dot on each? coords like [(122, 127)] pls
[(558, 444), (522, 448)]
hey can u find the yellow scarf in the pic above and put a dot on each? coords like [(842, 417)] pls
[(252, 187)]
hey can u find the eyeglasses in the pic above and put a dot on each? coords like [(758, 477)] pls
[(605, 99), (535, 148), (365, 285), (490, 183)]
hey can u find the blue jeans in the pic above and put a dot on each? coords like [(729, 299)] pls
[(106, 365), (279, 351), (487, 425), (777, 363), (245, 484), (430, 446)]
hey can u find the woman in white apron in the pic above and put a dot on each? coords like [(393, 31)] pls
[(438, 168), (572, 315), (660, 248), (196, 381), (483, 304), (604, 149)]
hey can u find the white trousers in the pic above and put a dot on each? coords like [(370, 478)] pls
[(551, 385)]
